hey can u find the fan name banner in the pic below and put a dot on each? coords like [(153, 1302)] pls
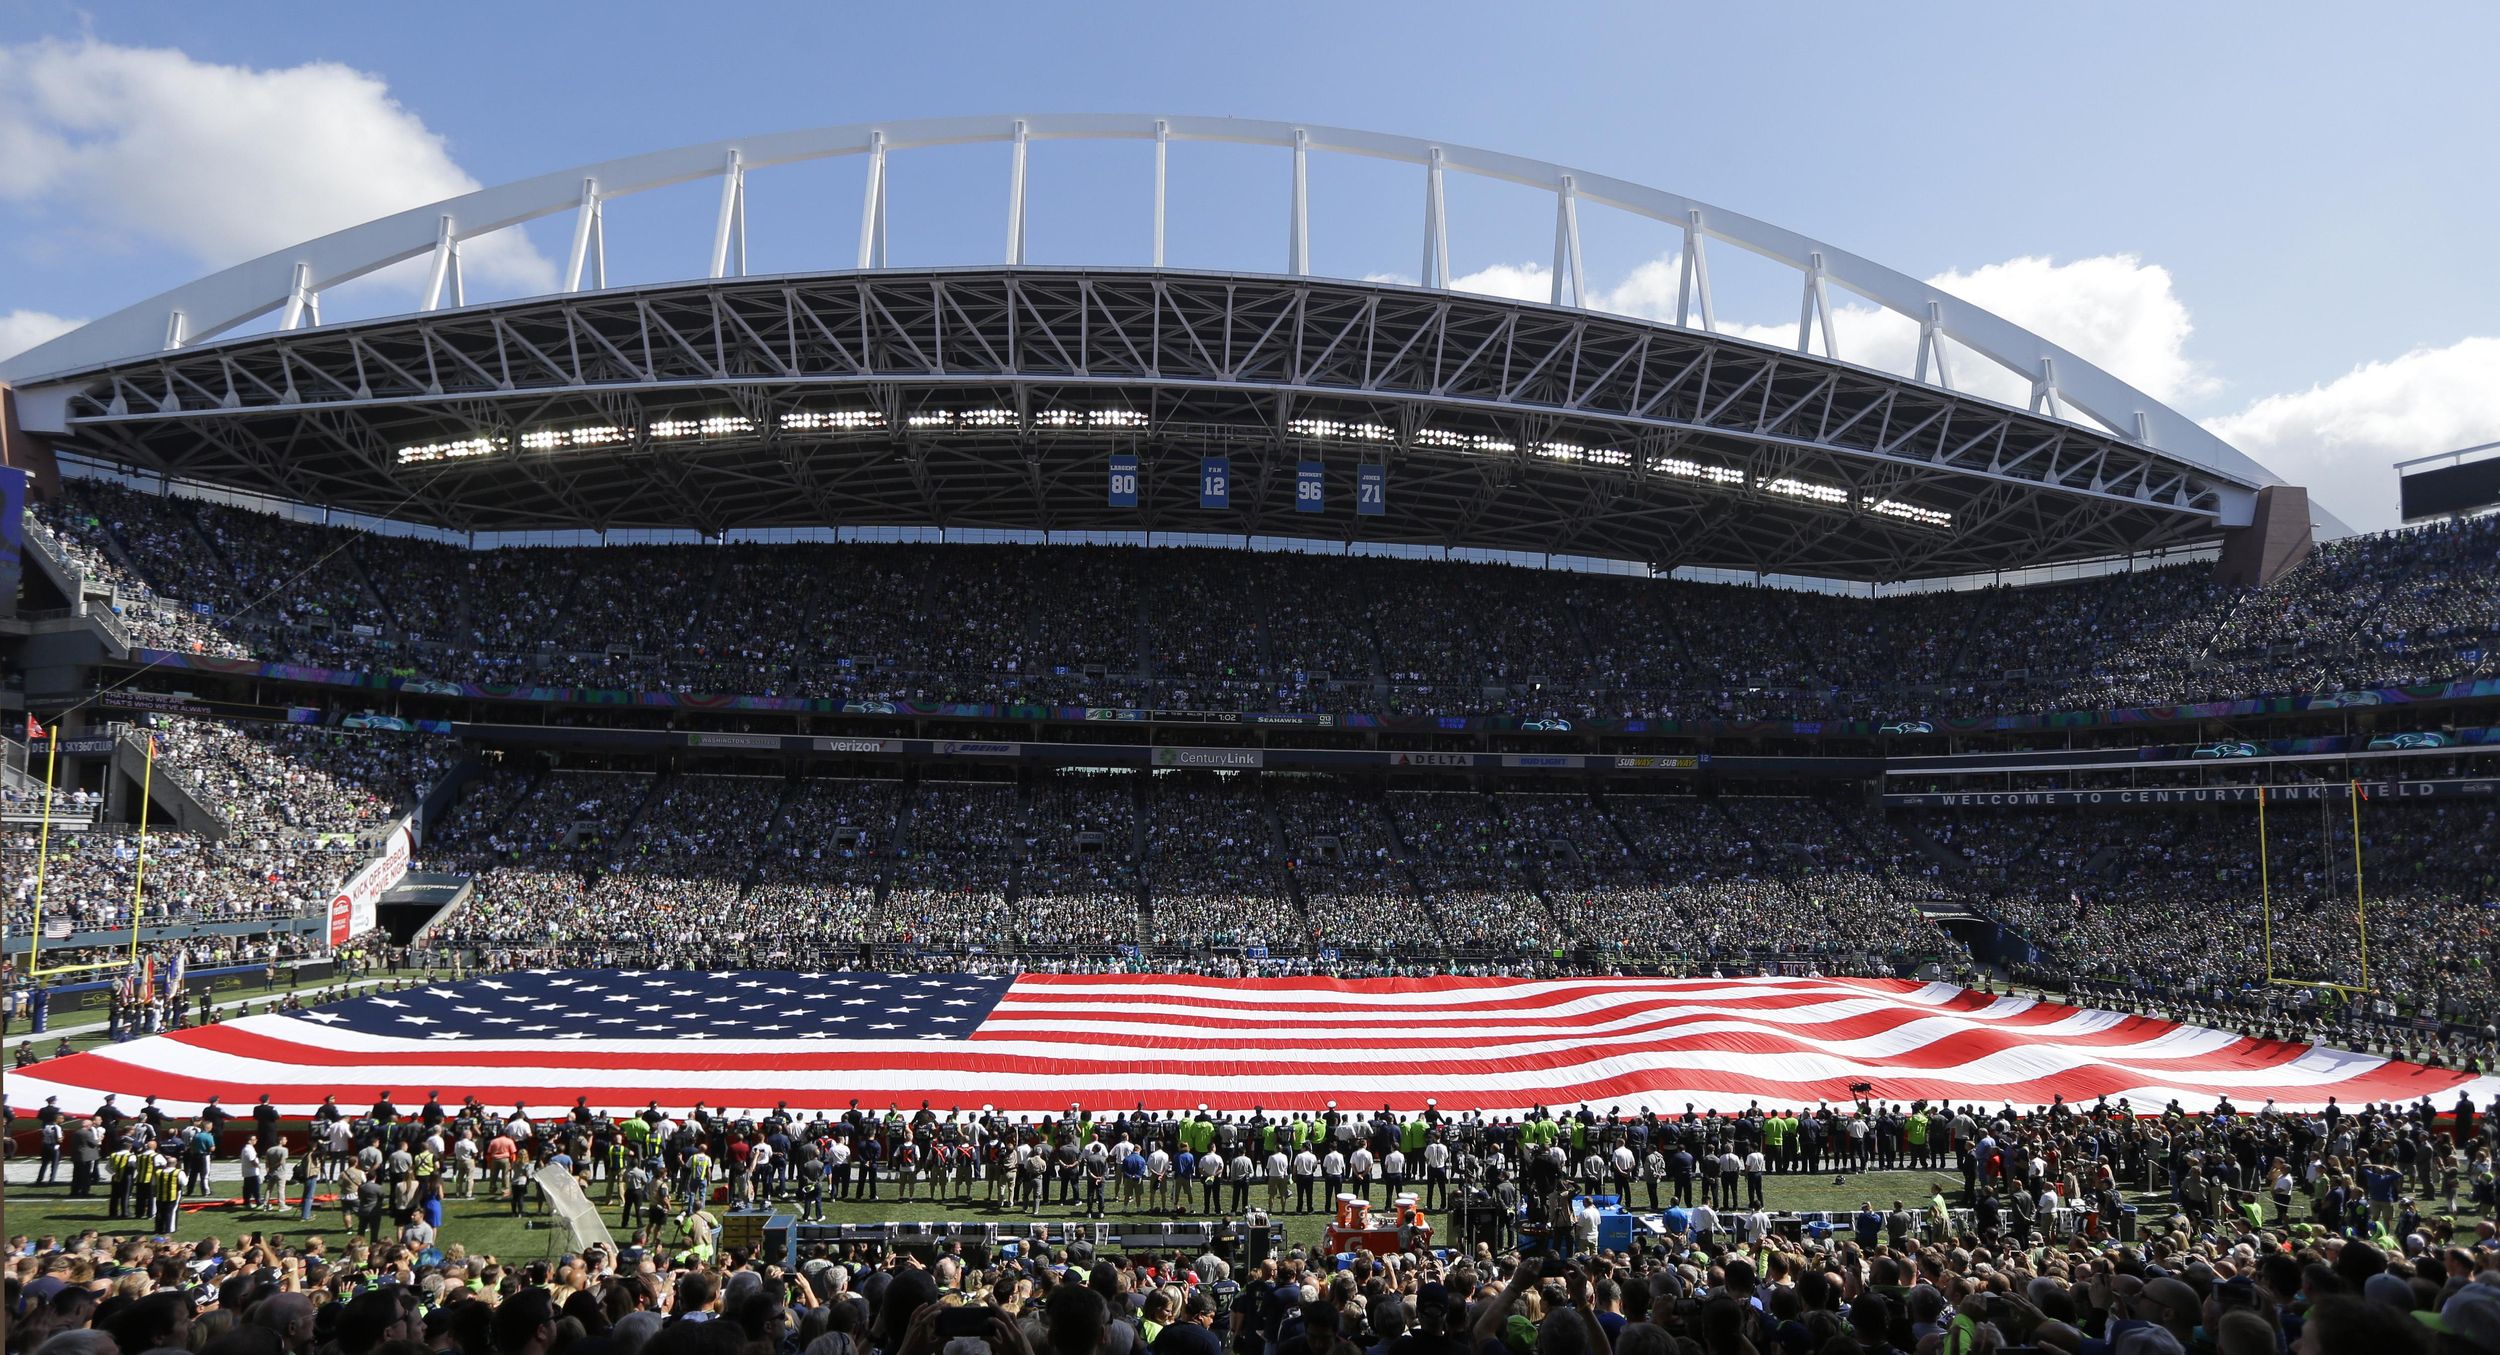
[(2196, 795), (1215, 482), (1310, 493)]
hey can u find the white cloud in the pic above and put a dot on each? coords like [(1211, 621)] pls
[(224, 163), (23, 329), (2341, 438)]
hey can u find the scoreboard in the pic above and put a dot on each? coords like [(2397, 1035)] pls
[(2460, 487)]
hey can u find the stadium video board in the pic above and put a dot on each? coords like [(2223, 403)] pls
[(2441, 490)]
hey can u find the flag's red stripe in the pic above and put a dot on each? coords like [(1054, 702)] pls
[(1957, 1050), (1093, 1085), (1011, 1023)]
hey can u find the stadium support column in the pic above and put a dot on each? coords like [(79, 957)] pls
[(2276, 538), (21, 450)]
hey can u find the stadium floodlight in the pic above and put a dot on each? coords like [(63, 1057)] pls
[(1911, 512), (707, 427), (831, 420), (1811, 492), (1339, 430), (1693, 470), (1574, 452), (588, 435), (458, 449)]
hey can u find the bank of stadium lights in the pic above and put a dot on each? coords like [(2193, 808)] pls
[(831, 420), (591, 435), (1089, 418), (1337, 430), (1791, 487), (707, 427), (1578, 455), (458, 449), (1682, 469), (1910, 512)]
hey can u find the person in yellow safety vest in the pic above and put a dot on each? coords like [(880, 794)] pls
[(118, 1163)]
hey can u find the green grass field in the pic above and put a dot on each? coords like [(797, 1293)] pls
[(487, 1226)]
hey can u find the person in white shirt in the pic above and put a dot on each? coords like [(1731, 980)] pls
[(273, 1173), (1305, 1176), (1158, 1180), (1704, 1221), (1211, 1179), (1279, 1169), (249, 1160), (1436, 1174), (1358, 1172), (464, 1166)]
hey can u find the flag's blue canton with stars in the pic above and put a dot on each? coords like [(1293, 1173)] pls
[(590, 1004)]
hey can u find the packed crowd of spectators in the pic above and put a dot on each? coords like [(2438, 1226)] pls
[(1191, 628), (2354, 1232), (300, 809)]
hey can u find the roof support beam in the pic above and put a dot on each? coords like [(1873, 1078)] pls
[(729, 235), (872, 206), (1567, 244), (1015, 198), (1298, 230), (590, 242), (1694, 282)]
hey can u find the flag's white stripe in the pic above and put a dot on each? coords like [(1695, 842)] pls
[(1156, 1018), (1076, 1040), (444, 1064), (1154, 1080), (1508, 1041), (1286, 992)]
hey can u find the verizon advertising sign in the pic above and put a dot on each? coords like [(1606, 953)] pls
[(352, 909)]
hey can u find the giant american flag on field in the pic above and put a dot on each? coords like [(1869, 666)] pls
[(1038, 1042)]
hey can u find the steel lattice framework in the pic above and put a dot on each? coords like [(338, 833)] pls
[(990, 396)]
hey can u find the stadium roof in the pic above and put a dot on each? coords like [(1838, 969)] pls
[(995, 396)]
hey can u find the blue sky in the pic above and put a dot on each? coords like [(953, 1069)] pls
[(2273, 216)]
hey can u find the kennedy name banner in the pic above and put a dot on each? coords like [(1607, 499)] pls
[(1309, 488), (2193, 796)]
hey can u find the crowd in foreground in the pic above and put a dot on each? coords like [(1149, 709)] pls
[(1206, 629), (2262, 1233)]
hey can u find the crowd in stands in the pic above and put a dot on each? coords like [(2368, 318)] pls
[(299, 809), (2262, 1232), (1287, 868), (1183, 628)]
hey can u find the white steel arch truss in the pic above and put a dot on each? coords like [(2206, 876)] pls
[(289, 280), (990, 397)]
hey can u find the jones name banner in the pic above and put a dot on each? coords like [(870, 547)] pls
[(2135, 796)]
